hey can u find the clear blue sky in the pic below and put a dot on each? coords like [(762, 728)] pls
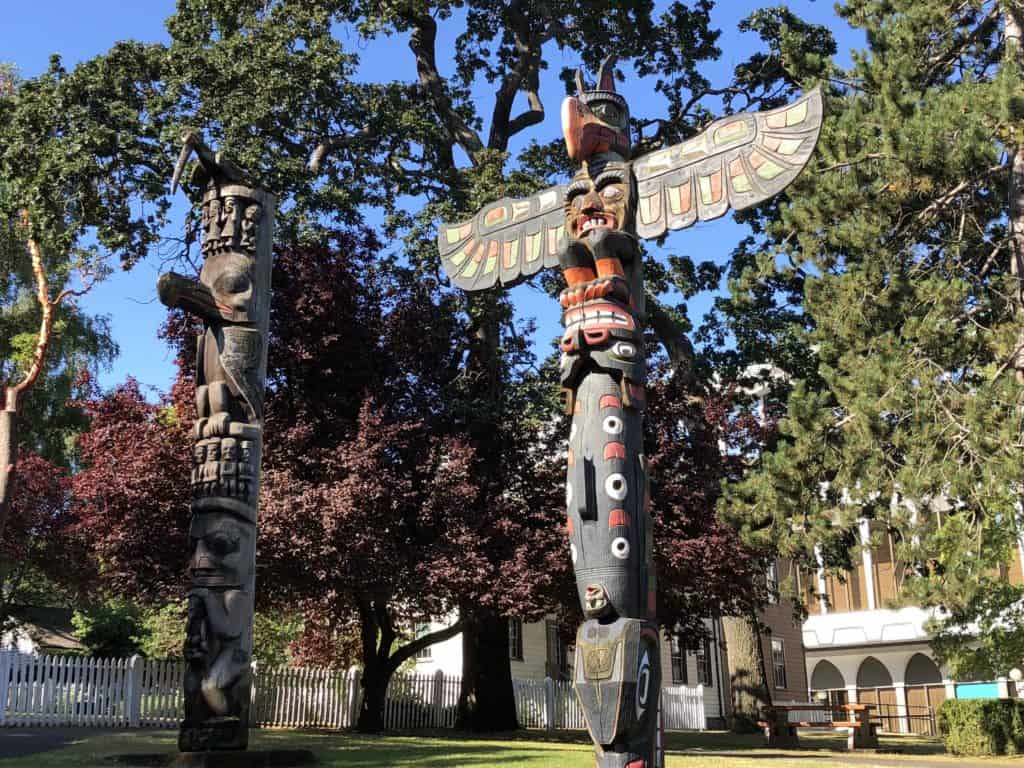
[(78, 30)]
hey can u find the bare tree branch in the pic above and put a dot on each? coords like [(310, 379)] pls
[(422, 41), (677, 345), (333, 144)]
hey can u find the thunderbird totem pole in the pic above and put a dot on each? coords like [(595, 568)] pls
[(590, 228), (232, 298)]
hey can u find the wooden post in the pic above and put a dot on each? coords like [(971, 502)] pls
[(549, 704), (6, 665), (353, 696), (864, 736), (437, 697), (133, 688), (781, 735)]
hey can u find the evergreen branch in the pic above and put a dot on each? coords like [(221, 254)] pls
[(858, 161)]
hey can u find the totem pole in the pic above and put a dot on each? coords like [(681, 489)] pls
[(590, 227), (232, 298)]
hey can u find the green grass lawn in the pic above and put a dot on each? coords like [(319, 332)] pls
[(529, 749)]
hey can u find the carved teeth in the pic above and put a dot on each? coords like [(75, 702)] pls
[(597, 221)]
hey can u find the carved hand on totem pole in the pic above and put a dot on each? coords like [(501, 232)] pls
[(590, 227), (232, 298)]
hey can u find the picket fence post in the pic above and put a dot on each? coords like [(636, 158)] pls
[(6, 663), (353, 696), (252, 714), (549, 704), (134, 689), (437, 696)]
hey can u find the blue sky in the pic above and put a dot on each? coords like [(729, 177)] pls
[(31, 32)]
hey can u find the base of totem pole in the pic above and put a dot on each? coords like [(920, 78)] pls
[(278, 758)]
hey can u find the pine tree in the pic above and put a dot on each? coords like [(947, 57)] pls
[(909, 412)]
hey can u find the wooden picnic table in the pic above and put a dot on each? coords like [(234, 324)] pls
[(782, 732)]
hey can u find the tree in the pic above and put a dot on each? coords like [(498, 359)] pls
[(910, 414), (43, 560)]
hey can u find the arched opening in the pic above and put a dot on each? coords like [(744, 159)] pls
[(873, 674), (922, 671), (827, 684), (925, 692), (874, 687)]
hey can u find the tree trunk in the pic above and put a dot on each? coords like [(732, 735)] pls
[(1015, 194), (375, 688), (487, 701), (8, 459), (745, 656)]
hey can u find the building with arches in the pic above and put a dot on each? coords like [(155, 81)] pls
[(863, 645)]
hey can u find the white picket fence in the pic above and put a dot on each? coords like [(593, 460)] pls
[(136, 692)]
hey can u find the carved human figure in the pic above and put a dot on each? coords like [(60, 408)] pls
[(232, 298), (590, 227)]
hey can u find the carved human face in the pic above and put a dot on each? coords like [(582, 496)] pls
[(603, 201), (222, 549), (229, 450)]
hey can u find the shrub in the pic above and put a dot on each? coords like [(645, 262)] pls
[(982, 726)]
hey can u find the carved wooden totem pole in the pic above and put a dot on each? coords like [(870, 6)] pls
[(232, 297), (590, 227)]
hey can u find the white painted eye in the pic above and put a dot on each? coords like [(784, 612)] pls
[(615, 486), (572, 553), (624, 350), (620, 548), (612, 425), (568, 494), (612, 191)]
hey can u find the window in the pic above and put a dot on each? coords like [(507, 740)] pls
[(704, 671), (779, 662), (515, 639), (419, 631), (559, 654), (677, 653), (772, 578)]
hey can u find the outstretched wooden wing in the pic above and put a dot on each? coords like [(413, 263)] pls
[(507, 241), (737, 162)]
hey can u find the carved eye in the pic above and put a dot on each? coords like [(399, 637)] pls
[(233, 282), (612, 192), (608, 112), (615, 486), (620, 548), (222, 545), (612, 425), (624, 350)]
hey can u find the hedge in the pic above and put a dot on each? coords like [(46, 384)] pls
[(982, 726)]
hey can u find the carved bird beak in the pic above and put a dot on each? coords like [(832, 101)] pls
[(585, 134)]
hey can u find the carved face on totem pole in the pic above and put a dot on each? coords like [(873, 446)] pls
[(590, 227), (232, 298)]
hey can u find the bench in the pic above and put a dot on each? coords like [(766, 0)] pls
[(781, 731)]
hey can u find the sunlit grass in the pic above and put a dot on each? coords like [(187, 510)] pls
[(531, 749)]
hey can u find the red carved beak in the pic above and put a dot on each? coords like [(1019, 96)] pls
[(585, 135)]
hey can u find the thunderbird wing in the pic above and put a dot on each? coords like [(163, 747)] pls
[(505, 242), (737, 162)]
